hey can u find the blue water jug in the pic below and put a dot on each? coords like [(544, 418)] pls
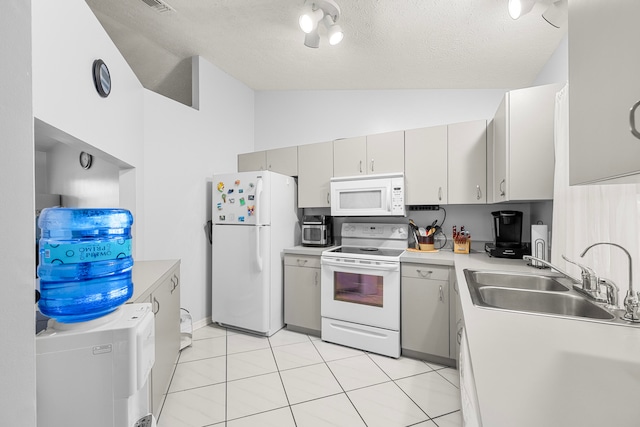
[(85, 262)]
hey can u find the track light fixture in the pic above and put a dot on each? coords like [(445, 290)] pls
[(315, 11), (556, 13)]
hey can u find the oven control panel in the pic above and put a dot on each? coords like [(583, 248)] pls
[(376, 231)]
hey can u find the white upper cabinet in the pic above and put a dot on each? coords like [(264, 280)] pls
[(604, 77), (283, 160), (385, 152), (373, 154), (523, 145), (315, 169), (280, 160), (255, 161), (467, 162), (425, 166)]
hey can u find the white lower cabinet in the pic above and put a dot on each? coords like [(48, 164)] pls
[(302, 293), (425, 307), (158, 282)]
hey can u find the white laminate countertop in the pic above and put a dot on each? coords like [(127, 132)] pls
[(533, 370), (307, 250), (146, 273)]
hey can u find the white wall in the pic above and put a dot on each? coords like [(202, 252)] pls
[(17, 255), (183, 148), (556, 70), (67, 38), (286, 118)]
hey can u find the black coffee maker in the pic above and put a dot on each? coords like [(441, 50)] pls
[(507, 231)]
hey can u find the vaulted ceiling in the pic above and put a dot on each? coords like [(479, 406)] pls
[(388, 44)]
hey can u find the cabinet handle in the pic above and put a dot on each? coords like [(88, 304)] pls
[(440, 193), (269, 167), (328, 198), (316, 279), (455, 287), (502, 188), (372, 165), (424, 273), (155, 301), (460, 335), (478, 192), (175, 282), (360, 166), (441, 294), (301, 262), (632, 120)]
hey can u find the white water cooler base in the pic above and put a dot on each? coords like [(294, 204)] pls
[(368, 338)]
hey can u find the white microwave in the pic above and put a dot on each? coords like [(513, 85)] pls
[(368, 195)]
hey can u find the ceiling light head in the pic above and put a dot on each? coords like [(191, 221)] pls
[(517, 8), (310, 16), (334, 31), (315, 11), (557, 13), (312, 39)]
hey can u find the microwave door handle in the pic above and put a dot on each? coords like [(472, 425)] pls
[(389, 202)]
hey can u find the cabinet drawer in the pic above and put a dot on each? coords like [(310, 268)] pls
[(302, 261), (425, 271)]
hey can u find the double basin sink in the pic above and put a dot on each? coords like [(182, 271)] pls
[(532, 293)]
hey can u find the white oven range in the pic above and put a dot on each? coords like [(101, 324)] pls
[(360, 288)]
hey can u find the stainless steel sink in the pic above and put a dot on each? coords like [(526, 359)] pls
[(531, 293), (562, 304), (517, 280)]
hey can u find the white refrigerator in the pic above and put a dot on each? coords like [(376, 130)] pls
[(255, 217)]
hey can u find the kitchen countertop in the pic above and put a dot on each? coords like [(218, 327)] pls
[(533, 370), (306, 250)]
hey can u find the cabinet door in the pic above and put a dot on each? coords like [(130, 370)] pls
[(500, 132), (165, 301), (350, 156), (385, 152), (425, 313), (315, 169), (425, 163), (283, 160), (302, 292), (604, 66), (467, 163), (456, 322), (256, 161)]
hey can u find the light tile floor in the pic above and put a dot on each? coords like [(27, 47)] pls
[(230, 379)]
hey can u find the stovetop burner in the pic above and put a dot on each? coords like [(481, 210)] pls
[(367, 251)]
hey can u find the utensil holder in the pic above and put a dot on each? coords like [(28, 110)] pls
[(426, 243)]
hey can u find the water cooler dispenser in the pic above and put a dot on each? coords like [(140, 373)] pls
[(96, 373), (94, 358)]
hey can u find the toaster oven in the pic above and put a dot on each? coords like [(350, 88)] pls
[(316, 230)]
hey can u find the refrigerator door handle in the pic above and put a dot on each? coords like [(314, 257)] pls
[(258, 252), (259, 188)]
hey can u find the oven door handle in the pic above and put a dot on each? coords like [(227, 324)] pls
[(383, 266)]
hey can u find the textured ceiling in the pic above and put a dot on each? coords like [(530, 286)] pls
[(388, 44)]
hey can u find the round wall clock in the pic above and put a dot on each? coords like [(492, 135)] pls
[(85, 160), (101, 78)]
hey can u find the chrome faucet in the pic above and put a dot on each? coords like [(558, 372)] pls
[(588, 283), (631, 300), (532, 258)]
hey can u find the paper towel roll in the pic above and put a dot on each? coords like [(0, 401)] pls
[(540, 244)]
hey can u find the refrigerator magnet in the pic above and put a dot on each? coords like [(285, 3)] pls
[(221, 186), (251, 197), (219, 206), (224, 198), (221, 218), (240, 219), (250, 210), (241, 201), (230, 191), (240, 190), (237, 182), (232, 200), (251, 185)]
